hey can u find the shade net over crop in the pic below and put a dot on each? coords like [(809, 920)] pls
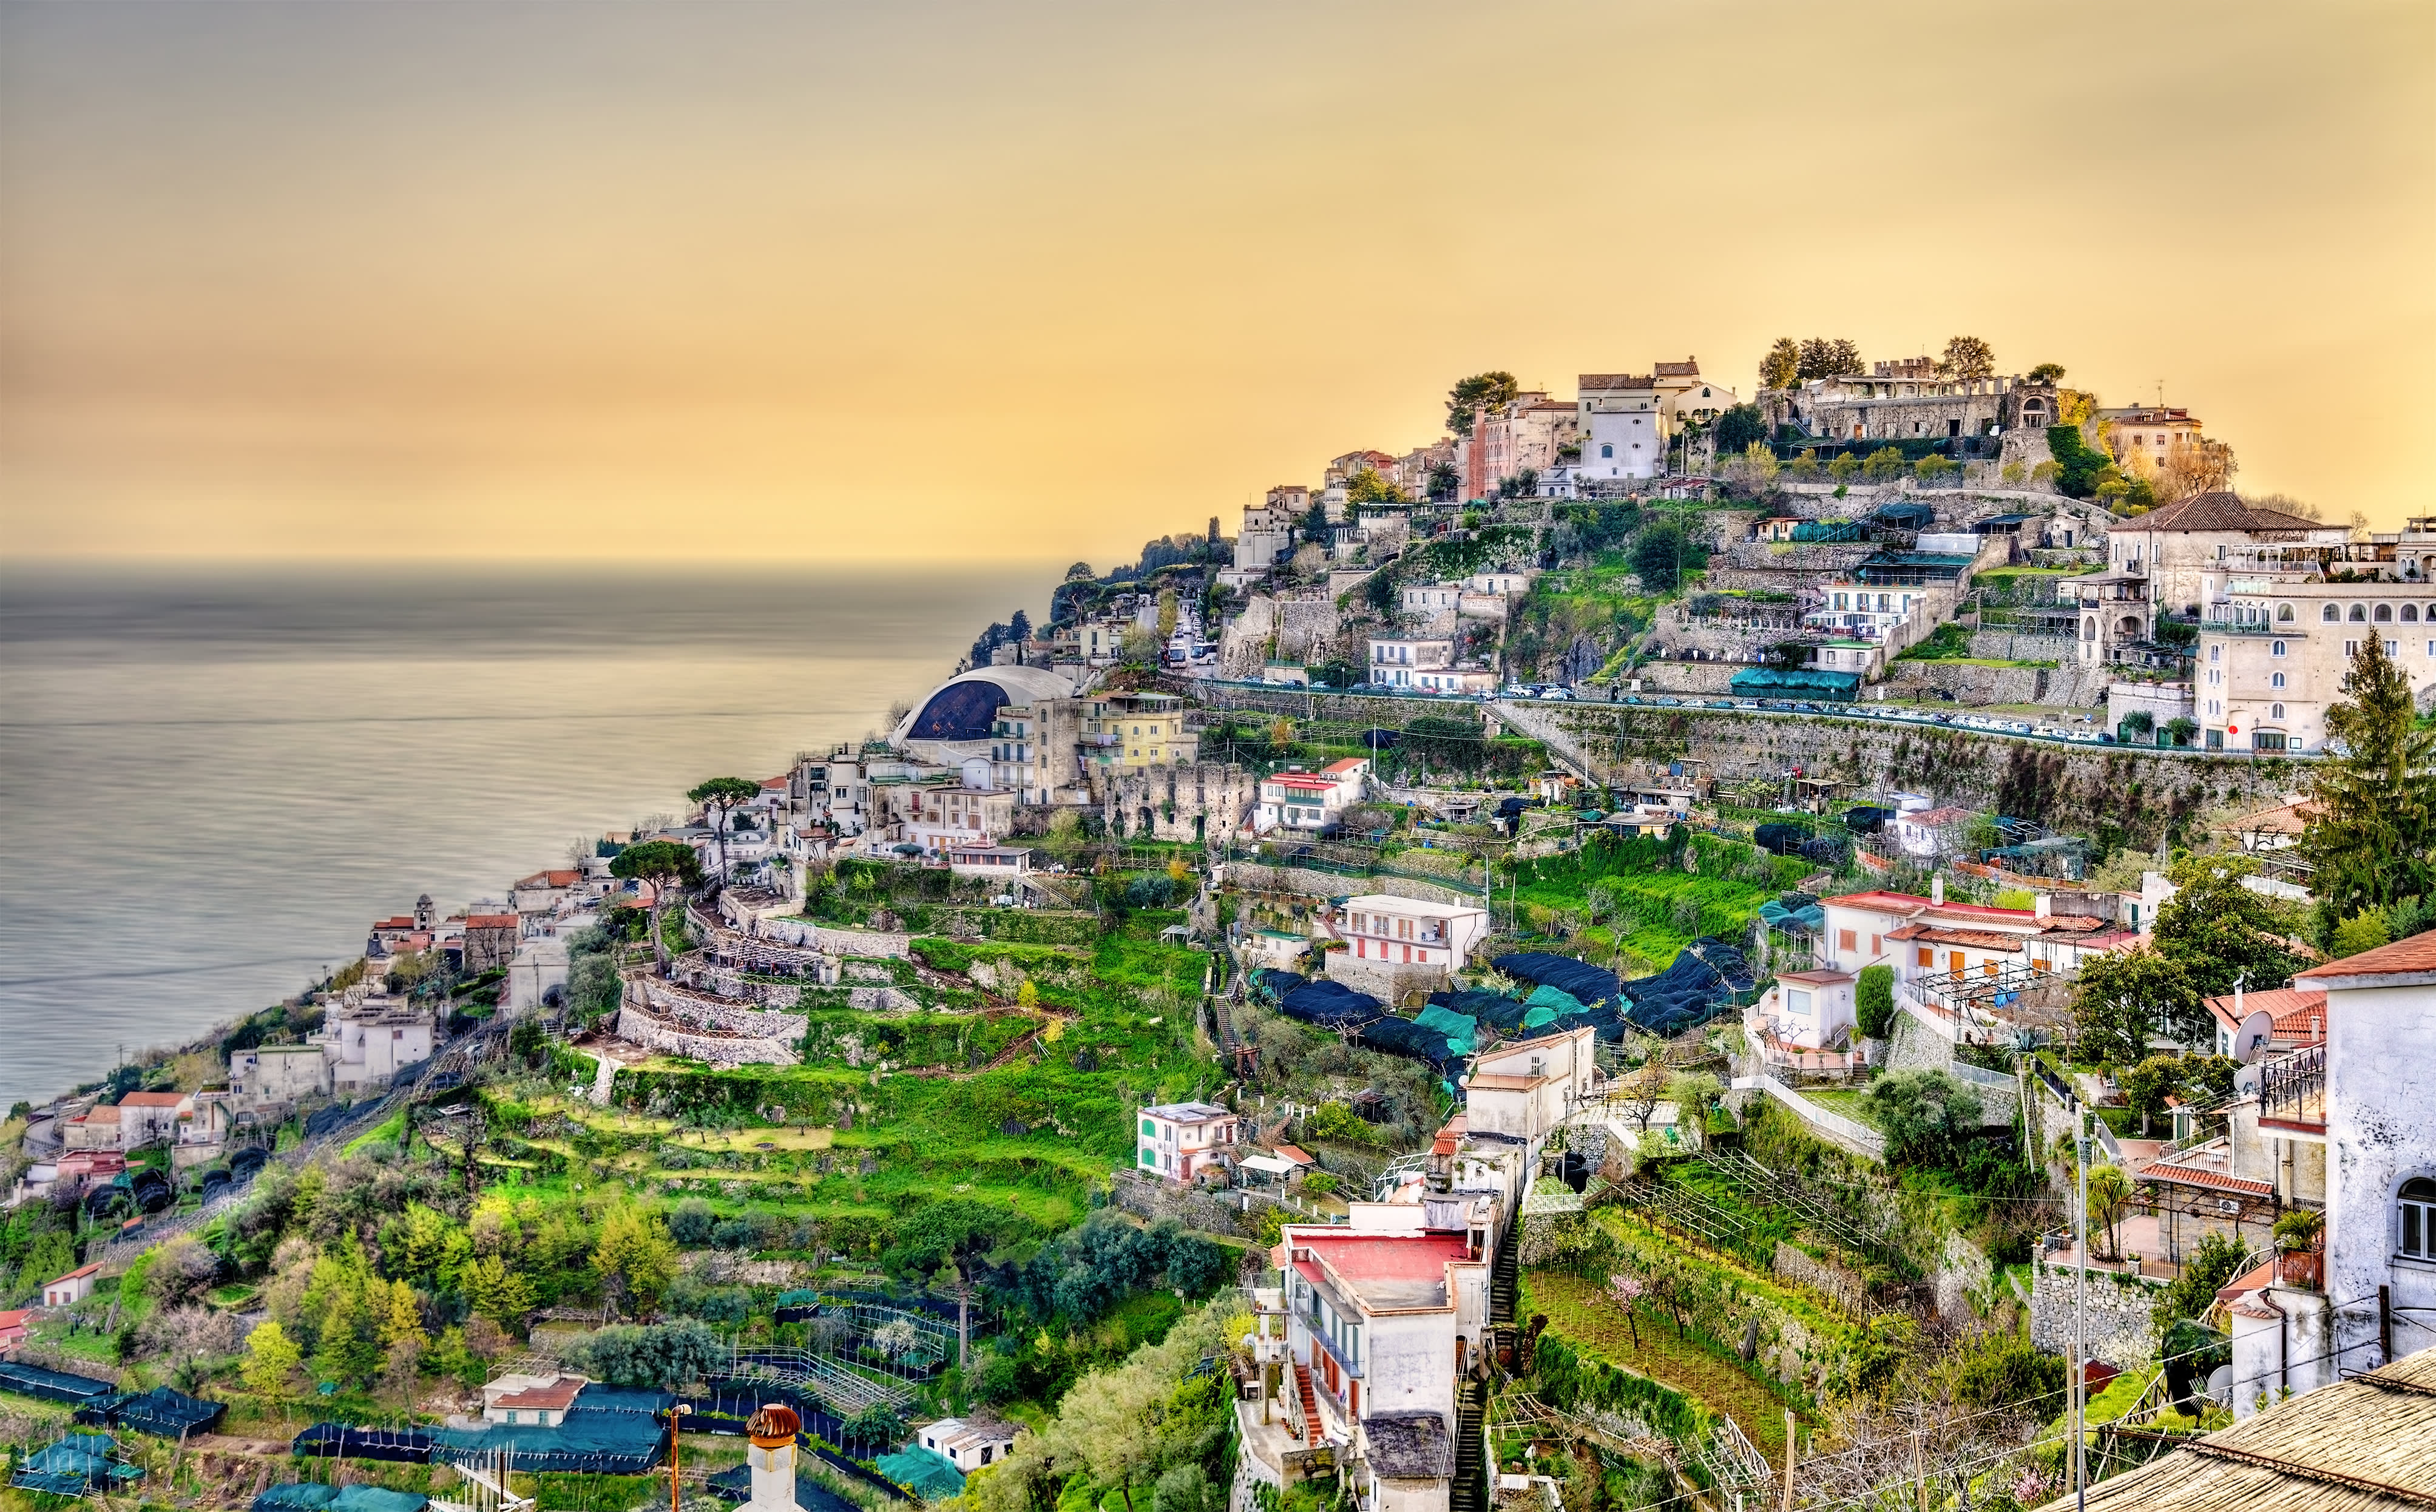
[(598, 1440), (1495, 1009), (404, 1446), (926, 1472), (1700, 983), (53, 1386), (1330, 1005), (1402, 1037), (161, 1411), (312, 1496)]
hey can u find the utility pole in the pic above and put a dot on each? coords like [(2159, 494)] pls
[(2079, 1313)]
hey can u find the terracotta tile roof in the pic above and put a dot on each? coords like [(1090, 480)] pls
[(153, 1100), (1288, 1151), (2413, 957), (2221, 512), (2202, 1177), (1968, 939), (1688, 368), (2289, 1009), (1609, 382), (494, 921)]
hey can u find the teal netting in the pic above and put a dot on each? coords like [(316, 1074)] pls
[(926, 1472)]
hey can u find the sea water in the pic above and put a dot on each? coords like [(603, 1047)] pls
[(210, 786)]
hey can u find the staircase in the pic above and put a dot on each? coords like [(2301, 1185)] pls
[(1308, 1400), (1504, 1284), (1469, 1492)]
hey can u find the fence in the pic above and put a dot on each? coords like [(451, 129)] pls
[(1857, 1137)]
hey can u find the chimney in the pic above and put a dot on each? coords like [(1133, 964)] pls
[(2045, 906), (1936, 890)]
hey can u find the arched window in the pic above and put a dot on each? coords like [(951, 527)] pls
[(2278, 681), (1607, 450), (2385, 614), (2359, 614), (2417, 1205), (2277, 651), (2411, 613), (2275, 711), (2282, 614)]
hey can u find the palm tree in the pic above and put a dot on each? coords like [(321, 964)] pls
[(2110, 1196)]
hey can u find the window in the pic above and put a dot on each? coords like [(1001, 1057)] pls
[(2275, 711), (2410, 614), (2393, 648), (2277, 650), (2278, 681), (2417, 1202), (2216, 653), (1607, 450), (2359, 614), (2282, 614), (1927, 956), (2384, 614), (1844, 940), (2330, 614), (1797, 1000), (2351, 647)]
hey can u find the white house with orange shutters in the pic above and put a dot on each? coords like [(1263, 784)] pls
[(1956, 963), (1310, 801), (1383, 927)]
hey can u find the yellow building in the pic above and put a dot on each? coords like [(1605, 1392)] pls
[(1121, 731)]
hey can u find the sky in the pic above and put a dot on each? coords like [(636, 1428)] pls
[(926, 283)]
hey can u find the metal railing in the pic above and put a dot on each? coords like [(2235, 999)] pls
[(2294, 1086)]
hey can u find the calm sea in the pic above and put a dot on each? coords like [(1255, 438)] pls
[(210, 786)]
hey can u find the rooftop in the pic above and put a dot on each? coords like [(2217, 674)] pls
[(2404, 964), (1385, 1272), (1187, 1112), (2218, 512)]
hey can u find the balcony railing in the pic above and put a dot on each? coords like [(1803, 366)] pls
[(2293, 1089), (2247, 627)]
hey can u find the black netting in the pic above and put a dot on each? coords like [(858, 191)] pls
[(1330, 1005), (52, 1385), (405, 1446)]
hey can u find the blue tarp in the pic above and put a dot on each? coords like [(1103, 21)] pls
[(1585, 984), (1804, 920), (311, 1496), (1460, 1031), (1794, 682), (1402, 1037), (72, 1466), (1495, 1009), (1689, 993), (604, 1441)]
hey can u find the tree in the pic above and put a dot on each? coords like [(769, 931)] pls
[(1883, 465), (271, 1361), (2047, 373), (1627, 1290), (1111, 1418), (663, 864), (1935, 469), (1828, 358), (1740, 428), (2109, 1197), (2120, 998), (1844, 468), (2220, 931), (1662, 553), (1368, 487), (498, 1293), (1781, 367), (1874, 1002), (2207, 1267), (1444, 482), (2202, 467), (720, 797), (1477, 395), (1924, 1115), (2363, 932), (635, 1257), (2147, 1085), (2138, 725), (1967, 357), (1693, 1093), (2081, 468), (2181, 728), (2371, 824)]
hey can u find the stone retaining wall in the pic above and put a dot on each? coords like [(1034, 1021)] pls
[(1315, 883), (832, 941), (728, 1017), (2120, 1328), (2007, 646), (639, 1027)]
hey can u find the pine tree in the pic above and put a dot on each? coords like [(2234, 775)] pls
[(2372, 831)]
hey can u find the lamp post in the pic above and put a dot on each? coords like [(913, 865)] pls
[(676, 1421)]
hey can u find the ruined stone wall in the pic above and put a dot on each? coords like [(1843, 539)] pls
[(2131, 794), (830, 941), (638, 1026), (1308, 628), (1244, 645), (1185, 803)]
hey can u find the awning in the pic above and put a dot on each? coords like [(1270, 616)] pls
[(1807, 681), (1269, 1164)]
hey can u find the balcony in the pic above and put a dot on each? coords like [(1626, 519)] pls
[(2247, 627), (2292, 1092)]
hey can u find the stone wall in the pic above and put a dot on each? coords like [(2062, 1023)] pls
[(1243, 644), (702, 1012), (1705, 679), (1315, 883), (880, 999), (1308, 629), (2007, 646), (1389, 983), (2120, 1328), (833, 941), (2136, 793), (639, 1027), (1784, 565), (1212, 1212), (1965, 1281), (1178, 803), (1845, 1288)]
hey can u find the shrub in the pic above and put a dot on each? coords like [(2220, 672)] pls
[(2002, 1370), (1924, 1115), (1874, 1002)]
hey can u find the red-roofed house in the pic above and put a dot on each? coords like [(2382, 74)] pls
[(72, 1287), (491, 941), (14, 1326), (1309, 802), (538, 1400), (1953, 962), (2250, 1025)]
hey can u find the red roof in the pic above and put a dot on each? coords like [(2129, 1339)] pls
[(1303, 781), (556, 1397), (153, 1100), (2289, 1010), (401, 922), (1288, 1151), (1348, 764), (2402, 958), (1360, 1257), (494, 921), (553, 879), (1905, 902)]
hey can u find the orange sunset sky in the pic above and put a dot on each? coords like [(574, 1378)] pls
[(929, 283)]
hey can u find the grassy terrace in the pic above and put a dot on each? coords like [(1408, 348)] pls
[(1586, 1314)]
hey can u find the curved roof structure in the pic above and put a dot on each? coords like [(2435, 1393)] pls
[(963, 709)]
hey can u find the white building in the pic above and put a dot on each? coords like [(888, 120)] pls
[(1623, 428), (1178, 1140), (1384, 927), (72, 1287), (530, 1401), (1430, 599), (369, 1040), (1808, 1010), (1396, 661), (279, 1073), (1309, 802), (1958, 966), (2361, 1099), (2274, 648), (969, 1443)]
